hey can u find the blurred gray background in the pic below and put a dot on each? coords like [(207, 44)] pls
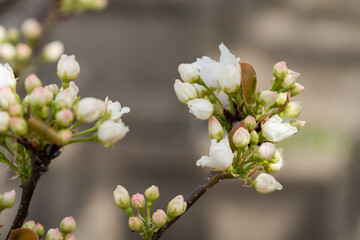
[(130, 52)]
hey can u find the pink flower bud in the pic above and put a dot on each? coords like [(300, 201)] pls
[(216, 131), (280, 70), (31, 28), (37, 98), (290, 79), (267, 151), (188, 73), (49, 96), (293, 109), (32, 81), (136, 224), (111, 132), (64, 118), (4, 121), (65, 136), (159, 218), (138, 201), (152, 193), (7, 97), (68, 68), (54, 234), (16, 110), (250, 122), (53, 51), (68, 225), (54, 89), (241, 137), (7, 51), (70, 237), (18, 126), (7, 199), (23, 51), (65, 99), (265, 183), (30, 225), (89, 109), (281, 98), (39, 229), (296, 89), (267, 98), (121, 197), (176, 207)]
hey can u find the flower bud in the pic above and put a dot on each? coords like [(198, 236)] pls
[(152, 193), (88, 109), (250, 122), (188, 73), (64, 118), (70, 237), (7, 199), (280, 70), (138, 201), (254, 138), (241, 138), (159, 218), (68, 68), (7, 51), (265, 183), (230, 77), (32, 81), (18, 126), (176, 207), (31, 28), (136, 224), (267, 151), (65, 136), (53, 88), (7, 97), (201, 108), (296, 89), (2, 34), (277, 162), (201, 90), (53, 51), (39, 229), (121, 197), (16, 110), (30, 225), (290, 79), (54, 234), (68, 225), (13, 35), (267, 98), (23, 51), (43, 112), (111, 132), (298, 124), (293, 109), (185, 91), (37, 98), (281, 98), (216, 130), (4, 121)]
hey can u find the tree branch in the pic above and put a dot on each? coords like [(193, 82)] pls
[(213, 178)]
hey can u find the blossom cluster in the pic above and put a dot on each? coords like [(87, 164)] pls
[(17, 46), (145, 223), (51, 115), (244, 124), (65, 232)]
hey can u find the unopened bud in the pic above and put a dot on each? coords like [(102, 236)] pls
[(281, 98), (201, 108), (254, 138), (65, 136), (30, 225), (4, 121), (54, 89), (68, 68), (296, 89), (267, 151), (7, 199), (159, 218), (64, 118), (136, 224), (201, 90), (31, 28), (18, 126), (216, 130), (68, 225), (241, 138), (188, 73), (54, 234), (121, 197), (152, 193), (185, 91), (23, 51), (89, 109), (7, 97), (13, 35), (265, 183), (32, 81), (267, 98), (37, 98), (293, 109), (70, 237), (176, 207), (290, 79), (280, 70), (230, 77), (276, 163), (53, 51), (7, 51), (138, 201), (39, 229), (250, 122), (298, 124), (16, 110)]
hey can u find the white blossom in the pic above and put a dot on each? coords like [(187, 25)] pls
[(188, 73), (230, 77), (275, 130), (265, 183), (7, 77), (201, 108), (89, 109), (115, 109), (110, 132)]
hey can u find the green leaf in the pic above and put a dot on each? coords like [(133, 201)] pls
[(23, 234), (248, 82)]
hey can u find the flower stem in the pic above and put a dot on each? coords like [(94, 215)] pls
[(89, 139), (85, 132), (76, 125), (201, 82)]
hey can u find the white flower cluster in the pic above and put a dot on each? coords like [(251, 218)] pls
[(244, 125)]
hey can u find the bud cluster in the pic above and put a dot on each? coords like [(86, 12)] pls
[(244, 124), (144, 222)]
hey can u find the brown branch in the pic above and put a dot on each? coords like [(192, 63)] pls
[(213, 178), (39, 163)]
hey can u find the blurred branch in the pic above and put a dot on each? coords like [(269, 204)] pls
[(213, 178)]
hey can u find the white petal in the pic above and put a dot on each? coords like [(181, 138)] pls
[(203, 161), (227, 57)]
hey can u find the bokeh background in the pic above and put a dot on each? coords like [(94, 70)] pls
[(130, 52)]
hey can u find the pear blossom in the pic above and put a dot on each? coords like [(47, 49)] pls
[(4, 121), (220, 157), (7, 51), (185, 91), (210, 70), (68, 68), (18, 126), (280, 69), (296, 89), (39, 229), (32, 81), (138, 201), (250, 122), (152, 193), (53, 51), (16, 110), (293, 109), (230, 77), (159, 218), (37, 97), (30, 225), (216, 130), (290, 79), (201, 108), (267, 98), (110, 132), (115, 109), (7, 97), (188, 73), (278, 162), (121, 197), (176, 207), (265, 183), (31, 28), (275, 130), (7, 77), (223, 98), (66, 97), (241, 137), (88, 109), (267, 151), (136, 224)]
